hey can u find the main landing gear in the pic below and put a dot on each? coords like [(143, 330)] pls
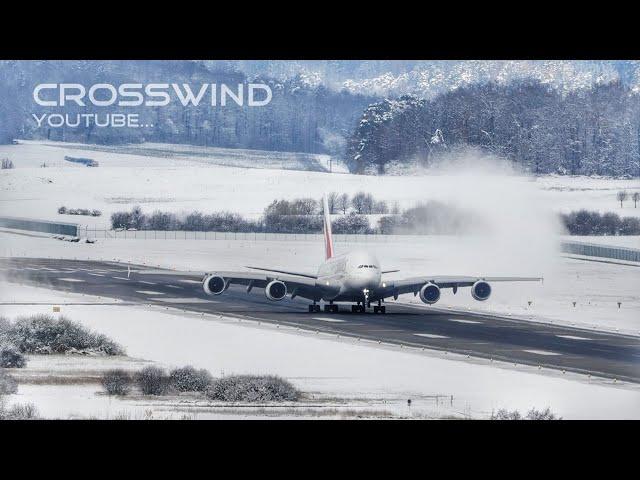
[(331, 308), (380, 308), (357, 308), (314, 308)]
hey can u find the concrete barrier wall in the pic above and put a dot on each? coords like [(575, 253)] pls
[(604, 251), (39, 226)]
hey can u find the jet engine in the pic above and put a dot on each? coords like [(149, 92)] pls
[(481, 290), (275, 290), (430, 293), (214, 285)]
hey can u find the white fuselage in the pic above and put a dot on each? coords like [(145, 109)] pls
[(350, 276)]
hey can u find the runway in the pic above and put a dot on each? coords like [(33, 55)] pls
[(478, 335)]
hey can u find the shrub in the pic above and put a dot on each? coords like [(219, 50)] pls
[(188, 379), (351, 224), (8, 384), (120, 220), (62, 210), (584, 222), (7, 164), (10, 356), (532, 414), (153, 381), (20, 411), (44, 334), (250, 388), (116, 382), (545, 414)]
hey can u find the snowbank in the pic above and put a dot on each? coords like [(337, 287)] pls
[(377, 377)]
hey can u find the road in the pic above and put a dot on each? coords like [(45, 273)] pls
[(486, 336)]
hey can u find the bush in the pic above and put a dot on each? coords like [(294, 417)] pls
[(10, 356), (532, 414), (351, 224), (250, 388), (153, 381), (116, 382), (44, 334), (188, 379), (584, 222), (545, 414), (8, 384), (62, 210), (7, 164), (24, 411)]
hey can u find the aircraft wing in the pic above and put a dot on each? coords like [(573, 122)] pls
[(298, 274), (297, 285), (413, 285)]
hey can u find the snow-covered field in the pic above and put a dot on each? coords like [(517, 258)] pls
[(339, 374), (522, 240), (184, 178)]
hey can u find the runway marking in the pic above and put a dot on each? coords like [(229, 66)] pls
[(174, 286), (573, 337), (327, 319), (430, 335), (459, 320), (96, 274), (187, 300), (70, 280), (120, 278), (149, 292), (191, 281), (146, 283), (541, 352)]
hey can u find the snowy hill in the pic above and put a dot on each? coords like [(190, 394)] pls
[(392, 78)]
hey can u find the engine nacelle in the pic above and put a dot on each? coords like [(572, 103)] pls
[(214, 285), (481, 290), (275, 290), (430, 293)]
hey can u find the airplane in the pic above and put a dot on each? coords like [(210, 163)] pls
[(354, 277)]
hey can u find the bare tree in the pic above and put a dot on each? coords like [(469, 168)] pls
[(359, 202), (635, 197), (343, 203), (332, 200), (622, 196), (380, 207), (7, 164)]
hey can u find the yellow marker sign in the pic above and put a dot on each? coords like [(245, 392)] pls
[(56, 309)]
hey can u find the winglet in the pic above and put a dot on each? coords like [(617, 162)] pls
[(328, 237)]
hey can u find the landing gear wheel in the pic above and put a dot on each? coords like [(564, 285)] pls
[(361, 308), (314, 308)]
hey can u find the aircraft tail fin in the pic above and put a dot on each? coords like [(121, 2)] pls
[(328, 237)]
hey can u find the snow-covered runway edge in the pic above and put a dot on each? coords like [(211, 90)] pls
[(364, 376)]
